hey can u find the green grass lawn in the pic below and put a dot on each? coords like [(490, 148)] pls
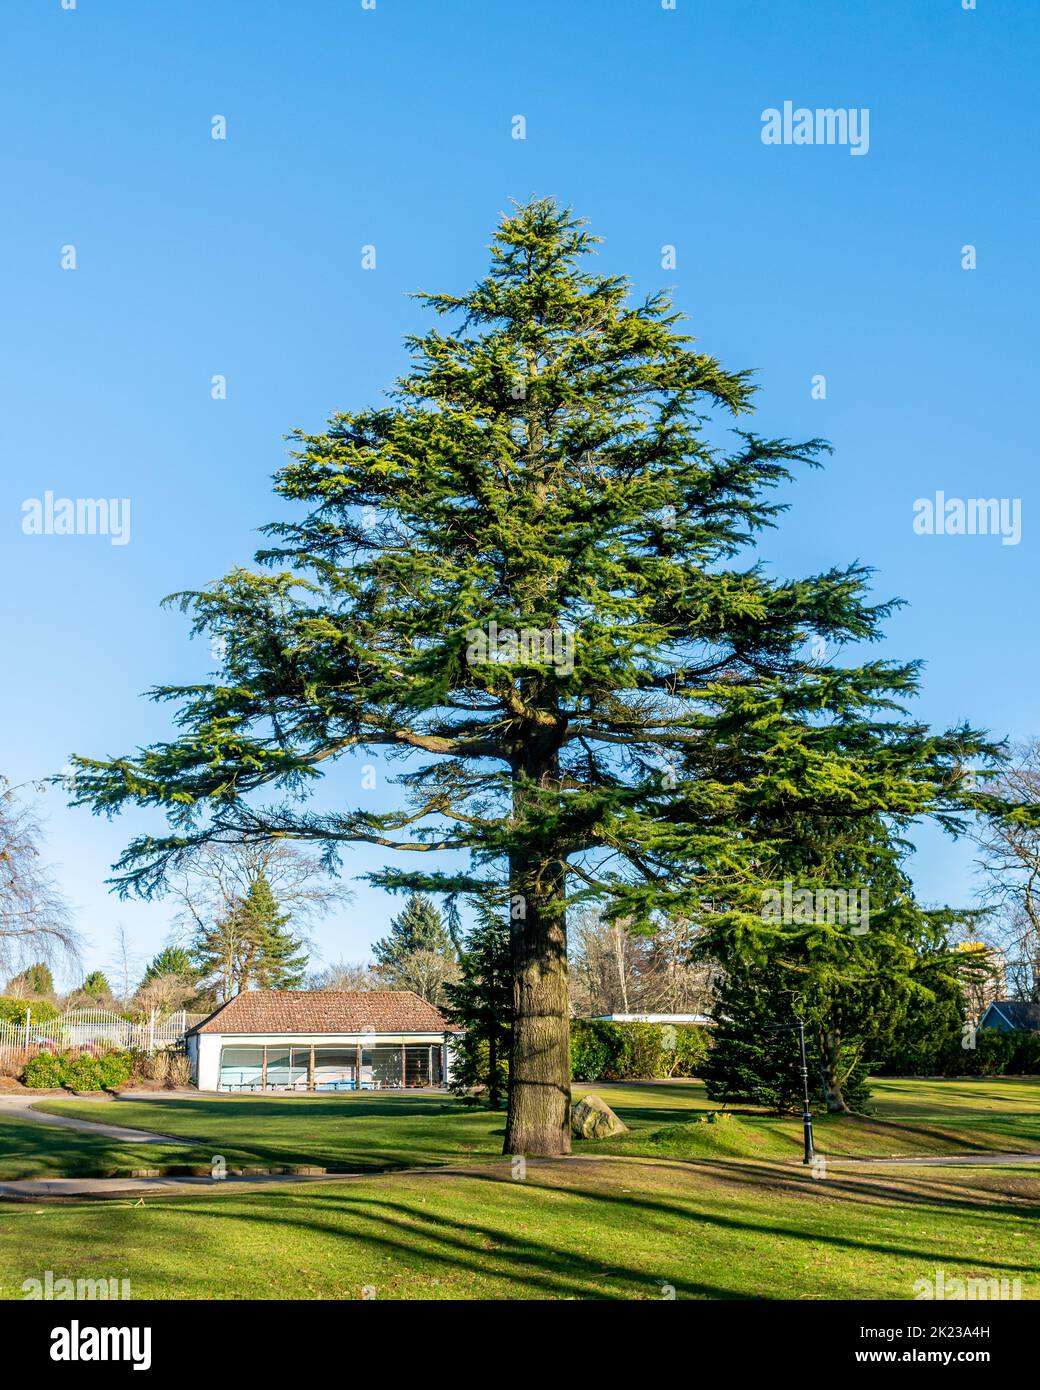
[(360, 1133), (909, 1119), (588, 1228), (30, 1150), (379, 1132), (363, 1133), (366, 1133), (709, 1210)]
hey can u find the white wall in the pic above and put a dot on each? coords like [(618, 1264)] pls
[(207, 1067)]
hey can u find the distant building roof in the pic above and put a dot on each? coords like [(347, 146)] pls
[(653, 1018), (1018, 1015), (325, 1011)]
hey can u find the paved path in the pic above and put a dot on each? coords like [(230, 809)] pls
[(39, 1189), (80, 1189), (20, 1108), (36, 1189), (997, 1160), (29, 1189)]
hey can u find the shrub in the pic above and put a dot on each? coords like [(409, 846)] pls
[(80, 1070), (81, 1073), (180, 1070), (115, 1069), (12, 1061), (168, 1067), (14, 1010), (43, 1072), (691, 1048), (1026, 1058), (590, 1049), (159, 1068), (994, 1054)]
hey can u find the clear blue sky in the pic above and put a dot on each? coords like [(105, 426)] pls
[(393, 127)]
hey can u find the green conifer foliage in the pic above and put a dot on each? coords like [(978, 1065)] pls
[(529, 572)]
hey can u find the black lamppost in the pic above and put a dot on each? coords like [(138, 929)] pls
[(809, 1155)]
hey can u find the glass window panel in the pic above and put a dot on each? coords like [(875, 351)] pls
[(381, 1067), (277, 1066), (240, 1067), (417, 1066), (334, 1068), (242, 1056), (335, 1056)]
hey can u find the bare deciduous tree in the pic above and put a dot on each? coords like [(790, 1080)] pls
[(35, 921), (1010, 865), (218, 877), (614, 970), (126, 964), (351, 976), (165, 994), (424, 971)]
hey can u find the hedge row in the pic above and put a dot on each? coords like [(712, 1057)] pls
[(14, 1010), (77, 1069), (993, 1054), (606, 1051)]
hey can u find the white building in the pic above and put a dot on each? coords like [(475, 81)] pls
[(320, 1040)]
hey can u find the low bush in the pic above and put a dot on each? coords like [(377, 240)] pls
[(79, 1069), (115, 1069), (43, 1072), (168, 1068), (82, 1073), (180, 1070), (12, 1061)]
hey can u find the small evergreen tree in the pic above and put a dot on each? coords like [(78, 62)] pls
[(96, 986), (171, 960), (35, 979), (418, 952), (481, 1003), (751, 1060), (857, 982), (280, 961), (222, 955), (249, 947), (754, 1056), (171, 981)]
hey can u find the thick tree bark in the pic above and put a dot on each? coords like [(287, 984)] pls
[(539, 1117), (830, 1048)]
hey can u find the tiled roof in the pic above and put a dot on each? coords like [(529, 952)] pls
[(1019, 1014), (324, 1011)]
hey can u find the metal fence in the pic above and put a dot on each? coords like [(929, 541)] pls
[(94, 1027)]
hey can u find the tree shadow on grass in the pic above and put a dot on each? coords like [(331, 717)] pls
[(944, 1195), (424, 1241), (332, 1137)]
